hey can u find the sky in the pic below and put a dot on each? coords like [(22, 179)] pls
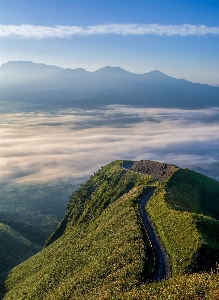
[(178, 38)]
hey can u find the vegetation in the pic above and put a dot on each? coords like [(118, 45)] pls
[(14, 248), (30, 232), (28, 215), (35, 211), (99, 250), (102, 248), (187, 287), (185, 212)]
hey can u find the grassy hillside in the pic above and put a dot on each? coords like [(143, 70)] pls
[(14, 248), (186, 287), (32, 213), (185, 212), (35, 210), (32, 233), (100, 251)]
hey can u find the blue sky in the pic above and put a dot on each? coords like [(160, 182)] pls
[(139, 36)]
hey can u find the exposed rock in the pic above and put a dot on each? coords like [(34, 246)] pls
[(159, 171)]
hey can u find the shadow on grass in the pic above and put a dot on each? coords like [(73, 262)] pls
[(3, 288)]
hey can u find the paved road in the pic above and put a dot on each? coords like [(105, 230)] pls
[(162, 265)]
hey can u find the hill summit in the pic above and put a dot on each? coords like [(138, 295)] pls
[(102, 251)]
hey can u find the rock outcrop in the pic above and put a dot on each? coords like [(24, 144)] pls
[(160, 171)]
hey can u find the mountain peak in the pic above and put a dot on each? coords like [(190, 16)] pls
[(156, 73), (114, 70), (29, 64)]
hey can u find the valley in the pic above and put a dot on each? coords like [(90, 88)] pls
[(28, 216)]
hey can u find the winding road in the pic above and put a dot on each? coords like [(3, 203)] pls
[(162, 265)]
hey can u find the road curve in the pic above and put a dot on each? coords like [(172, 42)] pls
[(162, 265)]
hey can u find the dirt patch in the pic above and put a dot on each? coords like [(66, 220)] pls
[(159, 171)]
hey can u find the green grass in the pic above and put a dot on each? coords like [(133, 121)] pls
[(99, 250), (14, 248), (193, 192), (102, 247), (30, 232), (35, 206), (187, 287), (185, 212), (33, 212)]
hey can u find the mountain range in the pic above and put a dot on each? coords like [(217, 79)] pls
[(39, 86)]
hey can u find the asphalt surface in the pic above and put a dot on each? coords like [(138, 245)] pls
[(161, 260), (162, 265)]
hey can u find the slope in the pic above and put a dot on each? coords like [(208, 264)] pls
[(34, 210), (14, 248), (185, 212), (100, 251), (197, 286)]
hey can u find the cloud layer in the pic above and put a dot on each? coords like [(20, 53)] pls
[(39, 147), (41, 32)]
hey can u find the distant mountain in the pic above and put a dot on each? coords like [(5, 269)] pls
[(14, 248), (21, 72), (28, 85), (101, 250), (28, 216), (35, 211)]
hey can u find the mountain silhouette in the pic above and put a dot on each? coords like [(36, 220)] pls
[(43, 86)]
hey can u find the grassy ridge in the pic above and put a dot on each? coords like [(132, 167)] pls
[(36, 206), (102, 248), (14, 248), (30, 232), (183, 210), (32, 212), (99, 250), (96, 194), (193, 192), (186, 287)]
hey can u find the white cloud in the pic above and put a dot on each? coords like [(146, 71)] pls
[(40, 32), (34, 150)]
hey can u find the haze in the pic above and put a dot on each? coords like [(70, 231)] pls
[(87, 82), (178, 38), (71, 145)]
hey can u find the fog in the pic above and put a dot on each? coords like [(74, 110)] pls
[(71, 145)]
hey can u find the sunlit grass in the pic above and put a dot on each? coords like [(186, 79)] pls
[(187, 287), (184, 211), (102, 249), (99, 250)]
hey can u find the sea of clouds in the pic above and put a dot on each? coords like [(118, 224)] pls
[(71, 145)]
